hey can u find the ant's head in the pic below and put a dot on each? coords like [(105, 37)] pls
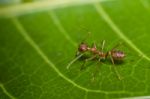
[(83, 47)]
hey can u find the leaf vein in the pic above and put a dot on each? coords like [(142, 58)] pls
[(49, 62), (6, 92), (61, 28), (109, 21)]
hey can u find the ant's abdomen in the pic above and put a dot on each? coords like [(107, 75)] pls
[(117, 55)]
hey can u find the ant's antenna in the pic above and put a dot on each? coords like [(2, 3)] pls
[(68, 66), (88, 35), (85, 29), (119, 44)]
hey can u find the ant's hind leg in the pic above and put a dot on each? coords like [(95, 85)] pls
[(86, 60), (112, 60), (116, 71)]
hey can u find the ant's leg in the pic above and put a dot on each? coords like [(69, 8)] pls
[(103, 44), (96, 70), (94, 45), (99, 60), (112, 60), (77, 53), (88, 35), (86, 60), (70, 63)]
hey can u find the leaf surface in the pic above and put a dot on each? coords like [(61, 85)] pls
[(36, 47)]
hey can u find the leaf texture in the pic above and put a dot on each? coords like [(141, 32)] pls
[(37, 45)]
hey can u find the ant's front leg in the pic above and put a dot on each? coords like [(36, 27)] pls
[(75, 59), (86, 60), (112, 60), (77, 53)]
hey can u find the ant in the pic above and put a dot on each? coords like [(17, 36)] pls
[(114, 54)]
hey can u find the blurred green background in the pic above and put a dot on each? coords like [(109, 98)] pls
[(38, 38)]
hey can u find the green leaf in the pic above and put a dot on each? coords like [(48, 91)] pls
[(39, 39)]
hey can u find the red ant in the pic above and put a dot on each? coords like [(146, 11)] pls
[(113, 54)]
